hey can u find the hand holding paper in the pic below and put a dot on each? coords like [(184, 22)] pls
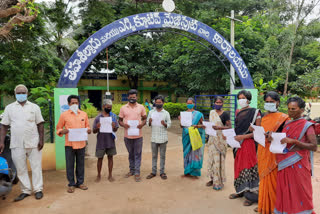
[(276, 146), (78, 134), (230, 134), (186, 118), (258, 135), (133, 130), (106, 125), (156, 119), (209, 130)]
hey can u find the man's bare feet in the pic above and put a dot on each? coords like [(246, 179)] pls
[(111, 179), (98, 179)]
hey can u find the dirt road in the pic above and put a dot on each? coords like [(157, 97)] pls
[(124, 196)]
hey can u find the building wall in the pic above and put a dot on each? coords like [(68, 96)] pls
[(119, 89)]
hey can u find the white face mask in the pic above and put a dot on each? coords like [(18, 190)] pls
[(271, 107), (243, 103), (74, 108)]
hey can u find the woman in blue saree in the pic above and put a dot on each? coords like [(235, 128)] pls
[(193, 159)]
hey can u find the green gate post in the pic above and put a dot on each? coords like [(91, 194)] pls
[(60, 141)]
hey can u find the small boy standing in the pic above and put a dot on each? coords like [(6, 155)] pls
[(159, 120)]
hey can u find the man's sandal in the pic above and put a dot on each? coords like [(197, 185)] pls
[(256, 209), (137, 178), (234, 196), (247, 203), (129, 174), (151, 176), (83, 187), (70, 189), (163, 176)]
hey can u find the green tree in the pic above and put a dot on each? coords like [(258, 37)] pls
[(27, 58)]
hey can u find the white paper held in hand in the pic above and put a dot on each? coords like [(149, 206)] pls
[(230, 134), (133, 130), (209, 130), (78, 134), (276, 146), (106, 124), (186, 118), (258, 135), (156, 118)]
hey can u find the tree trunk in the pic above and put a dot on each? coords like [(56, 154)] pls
[(296, 26), (299, 20), (289, 65)]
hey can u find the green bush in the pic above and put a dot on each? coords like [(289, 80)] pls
[(271, 86), (175, 108), (88, 107), (41, 96), (116, 108), (92, 111)]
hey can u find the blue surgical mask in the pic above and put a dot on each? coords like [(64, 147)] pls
[(190, 106), (218, 107), (271, 107), (21, 97)]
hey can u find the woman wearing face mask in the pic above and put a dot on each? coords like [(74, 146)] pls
[(193, 159), (217, 146), (272, 121), (246, 178), (294, 188)]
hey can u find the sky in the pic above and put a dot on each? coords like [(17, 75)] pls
[(74, 3)]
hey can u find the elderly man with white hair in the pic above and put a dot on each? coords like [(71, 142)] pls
[(27, 138), (105, 138)]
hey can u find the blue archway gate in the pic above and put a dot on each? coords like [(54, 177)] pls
[(121, 28)]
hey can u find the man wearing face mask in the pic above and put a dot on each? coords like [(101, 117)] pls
[(135, 113), (27, 138), (75, 150), (159, 135), (105, 141)]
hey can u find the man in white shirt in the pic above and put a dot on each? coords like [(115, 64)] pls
[(27, 138)]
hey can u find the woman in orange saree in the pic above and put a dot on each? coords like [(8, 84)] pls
[(272, 121)]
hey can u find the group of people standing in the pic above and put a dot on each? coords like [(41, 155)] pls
[(280, 183)]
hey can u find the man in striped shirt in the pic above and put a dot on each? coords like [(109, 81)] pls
[(159, 120)]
